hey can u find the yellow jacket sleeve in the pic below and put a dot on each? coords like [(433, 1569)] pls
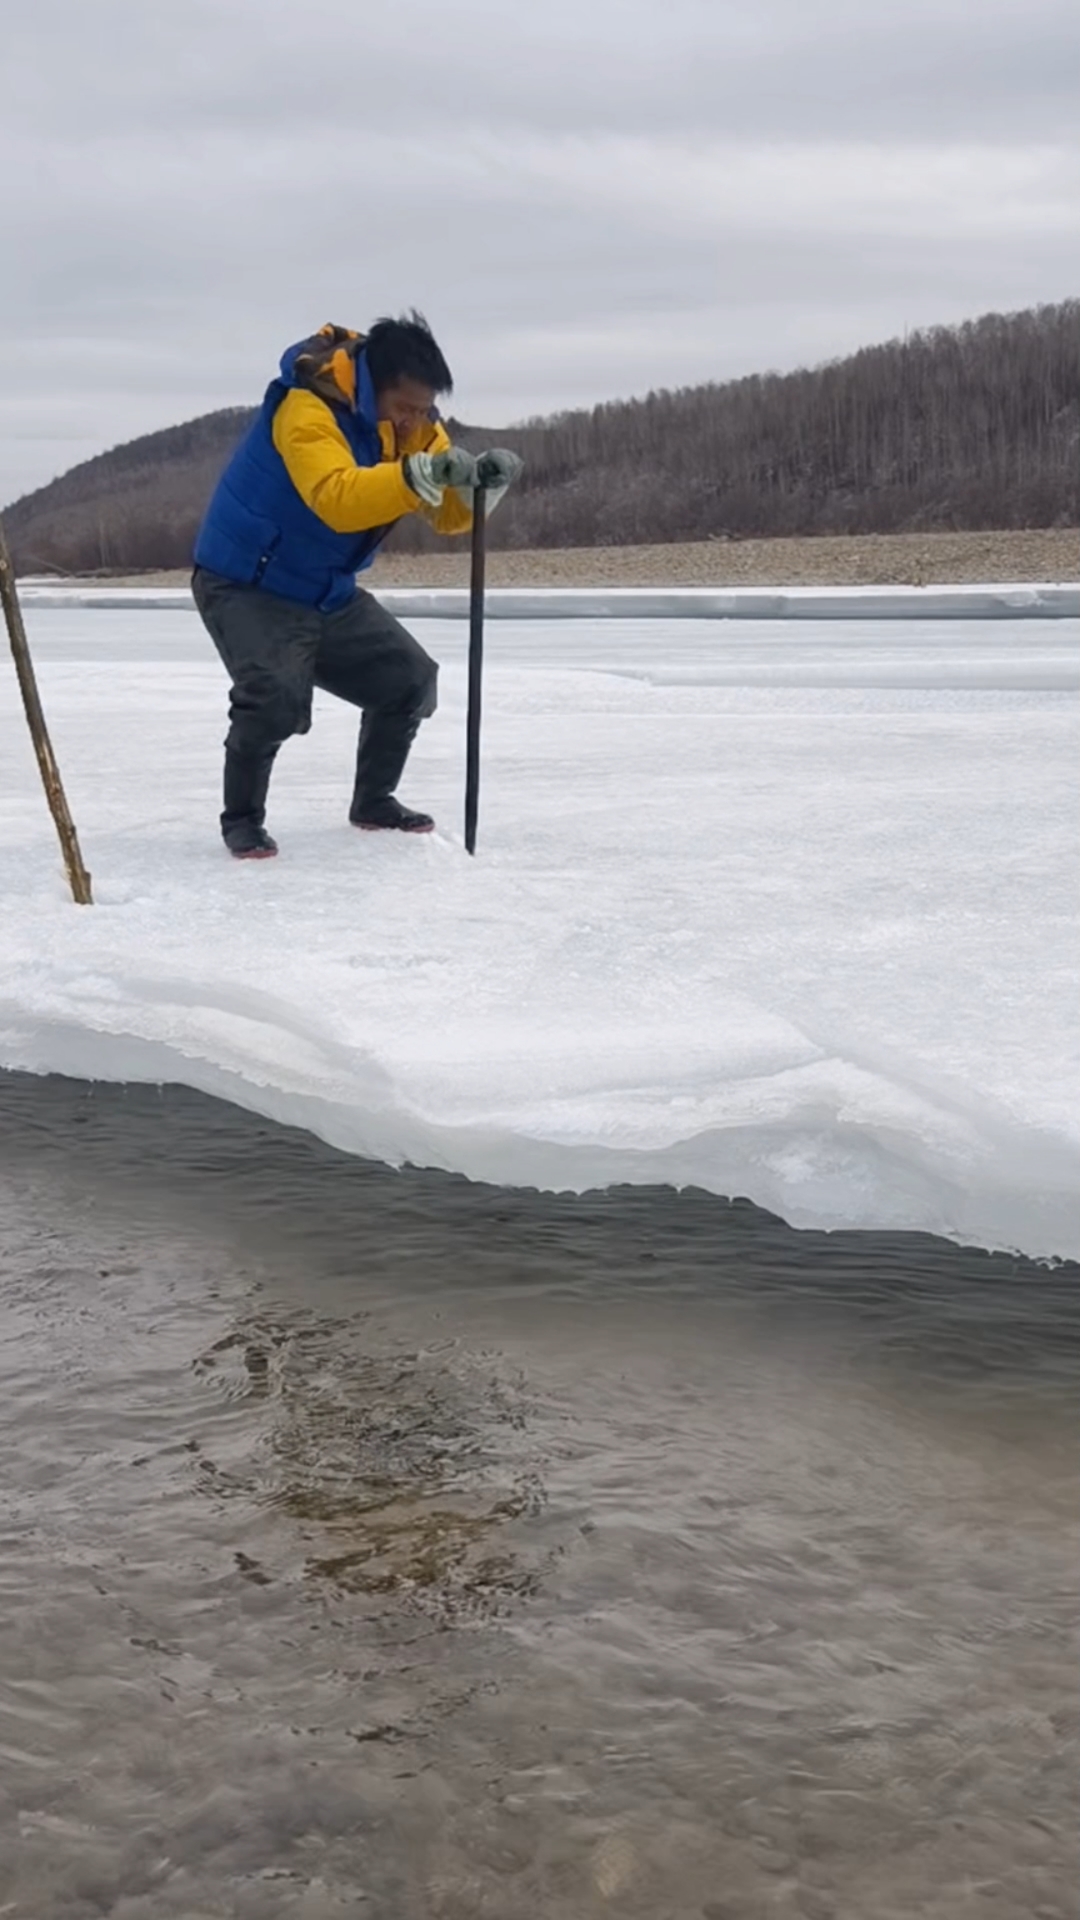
[(453, 516), (320, 464)]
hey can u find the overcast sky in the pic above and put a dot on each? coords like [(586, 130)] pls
[(588, 198)]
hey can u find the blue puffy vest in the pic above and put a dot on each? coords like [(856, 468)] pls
[(258, 531)]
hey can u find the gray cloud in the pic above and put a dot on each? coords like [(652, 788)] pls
[(588, 200)]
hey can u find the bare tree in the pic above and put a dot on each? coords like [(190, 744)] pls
[(976, 426)]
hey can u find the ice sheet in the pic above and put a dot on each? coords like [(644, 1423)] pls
[(784, 912), (1020, 601)]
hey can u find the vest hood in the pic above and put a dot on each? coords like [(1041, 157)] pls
[(332, 364)]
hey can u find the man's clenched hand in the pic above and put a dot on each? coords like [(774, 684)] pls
[(428, 474), (497, 468)]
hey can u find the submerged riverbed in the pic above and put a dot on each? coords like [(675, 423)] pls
[(379, 1543)]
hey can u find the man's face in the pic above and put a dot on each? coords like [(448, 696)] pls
[(407, 405)]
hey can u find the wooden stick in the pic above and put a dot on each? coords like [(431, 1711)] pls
[(39, 733), (476, 669)]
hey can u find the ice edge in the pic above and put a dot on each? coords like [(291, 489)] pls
[(832, 1177), (1021, 600)]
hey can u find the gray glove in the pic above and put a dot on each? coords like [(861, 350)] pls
[(497, 468), (428, 474)]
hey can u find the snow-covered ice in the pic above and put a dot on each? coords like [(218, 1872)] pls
[(784, 910)]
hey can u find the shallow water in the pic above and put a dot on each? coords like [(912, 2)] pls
[(376, 1543)]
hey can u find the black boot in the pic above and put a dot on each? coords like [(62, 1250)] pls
[(247, 842), (385, 739), (246, 783), (389, 812)]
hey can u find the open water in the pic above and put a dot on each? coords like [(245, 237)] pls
[(376, 1544)]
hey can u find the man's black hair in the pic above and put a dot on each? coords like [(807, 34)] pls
[(406, 349)]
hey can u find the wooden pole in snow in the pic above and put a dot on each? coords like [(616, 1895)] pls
[(39, 733)]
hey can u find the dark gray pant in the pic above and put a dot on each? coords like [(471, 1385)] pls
[(276, 651)]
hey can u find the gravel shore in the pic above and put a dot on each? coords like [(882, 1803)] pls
[(897, 559), (856, 560)]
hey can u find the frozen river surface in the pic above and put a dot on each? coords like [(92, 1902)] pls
[(786, 910)]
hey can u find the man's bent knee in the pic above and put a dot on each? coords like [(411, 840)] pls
[(427, 693), (268, 712), (416, 695)]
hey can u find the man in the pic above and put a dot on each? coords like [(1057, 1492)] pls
[(348, 440)]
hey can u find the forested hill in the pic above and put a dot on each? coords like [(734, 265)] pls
[(976, 426)]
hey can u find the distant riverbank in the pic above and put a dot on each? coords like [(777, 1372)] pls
[(871, 559)]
